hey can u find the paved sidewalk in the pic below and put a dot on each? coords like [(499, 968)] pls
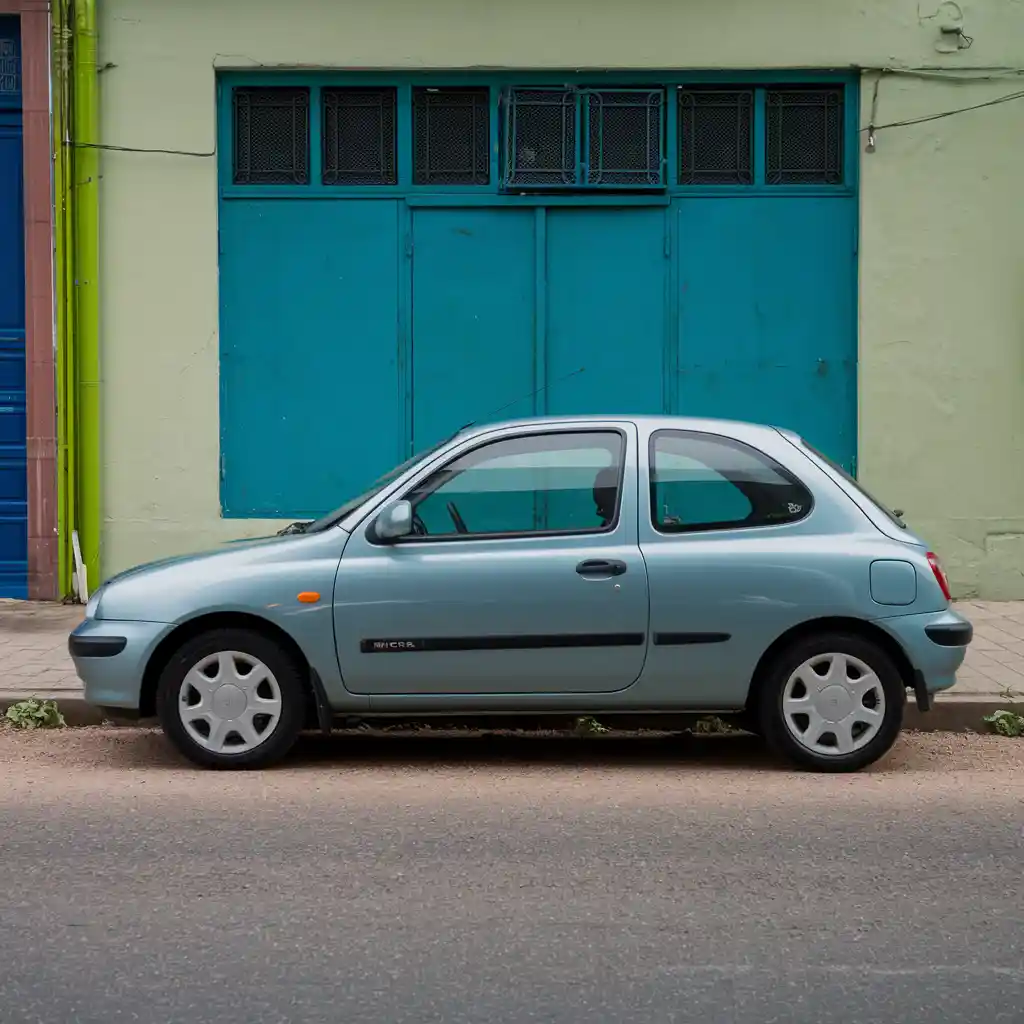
[(34, 659)]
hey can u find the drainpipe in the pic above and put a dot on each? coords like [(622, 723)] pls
[(85, 135), (64, 316)]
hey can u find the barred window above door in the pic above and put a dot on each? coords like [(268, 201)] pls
[(271, 136), (451, 136), (581, 137), (360, 141), (625, 132), (804, 135), (716, 136), (540, 138)]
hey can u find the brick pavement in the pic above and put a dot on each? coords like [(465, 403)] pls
[(34, 655)]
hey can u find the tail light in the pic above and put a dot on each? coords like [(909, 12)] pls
[(940, 575)]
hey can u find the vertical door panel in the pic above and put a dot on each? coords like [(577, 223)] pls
[(473, 288), (767, 307), (311, 405), (13, 479), (606, 310)]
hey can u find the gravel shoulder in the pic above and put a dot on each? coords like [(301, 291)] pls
[(117, 764)]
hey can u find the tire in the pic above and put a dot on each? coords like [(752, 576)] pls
[(231, 699), (832, 679)]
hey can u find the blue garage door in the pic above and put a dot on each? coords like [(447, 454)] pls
[(13, 472), (400, 259)]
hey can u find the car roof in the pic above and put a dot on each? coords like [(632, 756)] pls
[(648, 422)]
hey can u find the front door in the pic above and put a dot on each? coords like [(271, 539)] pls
[(524, 575)]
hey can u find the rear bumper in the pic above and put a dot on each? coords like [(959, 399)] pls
[(936, 644), (110, 658)]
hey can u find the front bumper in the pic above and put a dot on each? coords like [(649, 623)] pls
[(110, 658), (936, 644)]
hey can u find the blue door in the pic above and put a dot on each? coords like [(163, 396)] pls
[(311, 408), (473, 295), (13, 469), (768, 316), (606, 290)]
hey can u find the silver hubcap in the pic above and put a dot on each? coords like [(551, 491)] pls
[(833, 704), (229, 702)]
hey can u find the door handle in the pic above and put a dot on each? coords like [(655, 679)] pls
[(601, 567)]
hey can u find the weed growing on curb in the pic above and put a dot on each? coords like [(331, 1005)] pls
[(711, 724), (588, 726), (1006, 723), (35, 714)]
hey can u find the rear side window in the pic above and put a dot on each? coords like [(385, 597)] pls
[(707, 482)]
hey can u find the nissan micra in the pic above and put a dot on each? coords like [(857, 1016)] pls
[(583, 566)]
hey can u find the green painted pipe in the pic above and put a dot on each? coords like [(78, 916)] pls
[(87, 262), (63, 239)]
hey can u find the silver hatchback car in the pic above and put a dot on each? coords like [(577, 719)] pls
[(586, 566)]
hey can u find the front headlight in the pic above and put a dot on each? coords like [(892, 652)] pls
[(93, 605)]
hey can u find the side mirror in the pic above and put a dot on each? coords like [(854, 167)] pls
[(393, 522)]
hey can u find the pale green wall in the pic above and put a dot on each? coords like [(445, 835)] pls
[(941, 248)]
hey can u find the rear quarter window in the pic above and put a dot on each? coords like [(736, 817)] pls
[(854, 484), (705, 481)]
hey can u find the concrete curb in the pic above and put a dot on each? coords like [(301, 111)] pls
[(955, 713)]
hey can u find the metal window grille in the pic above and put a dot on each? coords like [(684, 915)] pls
[(625, 132), (716, 136), (360, 140), (451, 136), (805, 136), (271, 136), (541, 138)]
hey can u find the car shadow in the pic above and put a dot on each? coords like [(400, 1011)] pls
[(358, 749)]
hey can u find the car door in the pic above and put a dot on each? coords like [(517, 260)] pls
[(525, 576)]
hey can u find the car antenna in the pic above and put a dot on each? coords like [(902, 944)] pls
[(521, 398)]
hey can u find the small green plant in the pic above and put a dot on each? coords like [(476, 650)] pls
[(1006, 723), (35, 714), (588, 726), (712, 724)]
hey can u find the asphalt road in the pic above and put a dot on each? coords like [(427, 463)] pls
[(509, 880)]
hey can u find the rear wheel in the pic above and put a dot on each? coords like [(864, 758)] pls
[(832, 703), (231, 698)]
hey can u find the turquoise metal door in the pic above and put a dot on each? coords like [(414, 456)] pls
[(536, 311), (768, 315), (474, 279), (310, 402), (607, 313), (13, 468)]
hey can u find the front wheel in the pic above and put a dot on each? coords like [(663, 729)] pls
[(832, 703), (231, 698)]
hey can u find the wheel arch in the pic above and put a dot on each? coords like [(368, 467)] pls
[(834, 624), (192, 628)]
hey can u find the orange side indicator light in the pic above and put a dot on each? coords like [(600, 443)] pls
[(309, 597)]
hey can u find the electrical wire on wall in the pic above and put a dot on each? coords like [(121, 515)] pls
[(949, 77), (965, 77)]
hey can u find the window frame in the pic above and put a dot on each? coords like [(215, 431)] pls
[(498, 83), (306, 91), (485, 442), (720, 527), (324, 137)]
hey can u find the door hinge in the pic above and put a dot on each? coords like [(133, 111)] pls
[(222, 467), (408, 243), (668, 244)]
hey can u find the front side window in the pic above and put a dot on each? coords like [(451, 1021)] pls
[(540, 483), (707, 482)]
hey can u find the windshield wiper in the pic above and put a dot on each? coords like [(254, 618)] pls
[(299, 527)]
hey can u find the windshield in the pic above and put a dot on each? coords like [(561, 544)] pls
[(335, 517), (859, 487)]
